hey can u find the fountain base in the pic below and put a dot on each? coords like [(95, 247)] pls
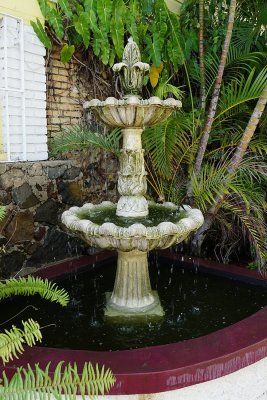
[(132, 293), (153, 310)]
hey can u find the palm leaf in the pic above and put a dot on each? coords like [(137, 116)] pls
[(13, 340), (160, 143), (81, 138), (30, 286), (210, 183), (254, 227), (164, 89), (62, 383), (239, 91)]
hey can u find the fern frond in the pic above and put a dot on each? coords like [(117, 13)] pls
[(81, 138), (63, 383), (30, 286), (12, 340)]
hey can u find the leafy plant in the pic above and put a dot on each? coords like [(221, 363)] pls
[(62, 383), (30, 286), (103, 24), (12, 340), (29, 383)]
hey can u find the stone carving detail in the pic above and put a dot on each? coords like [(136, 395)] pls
[(131, 70), (132, 206), (132, 162), (132, 185)]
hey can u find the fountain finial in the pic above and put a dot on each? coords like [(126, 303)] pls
[(131, 70)]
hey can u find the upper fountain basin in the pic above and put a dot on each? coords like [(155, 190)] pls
[(89, 222), (132, 111)]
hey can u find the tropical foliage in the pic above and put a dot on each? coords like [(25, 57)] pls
[(62, 383), (101, 26), (220, 54), (27, 383), (30, 286)]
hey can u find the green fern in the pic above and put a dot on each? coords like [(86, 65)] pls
[(62, 383), (12, 340), (30, 286)]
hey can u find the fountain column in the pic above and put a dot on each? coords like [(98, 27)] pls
[(132, 184), (132, 291)]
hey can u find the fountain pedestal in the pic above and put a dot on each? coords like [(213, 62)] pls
[(132, 293)]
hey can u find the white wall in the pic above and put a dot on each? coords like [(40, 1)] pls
[(32, 145)]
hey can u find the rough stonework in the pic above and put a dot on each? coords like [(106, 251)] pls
[(35, 195)]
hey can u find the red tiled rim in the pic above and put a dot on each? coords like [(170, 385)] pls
[(172, 366)]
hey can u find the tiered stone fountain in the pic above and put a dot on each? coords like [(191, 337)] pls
[(130, 226)]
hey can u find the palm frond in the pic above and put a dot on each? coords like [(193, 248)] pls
[(258, 145), (162, 147), (62, 383), (246, 33), (238, 60), (209, 183), (81, 138), (239, 91), (30, 285), (171, 143), (12, 340), (254, 227), (164, 89)]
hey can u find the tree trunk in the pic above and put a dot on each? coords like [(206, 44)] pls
[(215, 96), (201, 57), (234, 164)]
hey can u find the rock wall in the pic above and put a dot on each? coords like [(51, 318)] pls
[(35, 195)]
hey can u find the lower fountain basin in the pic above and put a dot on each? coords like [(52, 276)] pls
[(213, 366), (99, 226)]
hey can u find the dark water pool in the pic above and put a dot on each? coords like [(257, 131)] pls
[(157, 213), (195, 304)]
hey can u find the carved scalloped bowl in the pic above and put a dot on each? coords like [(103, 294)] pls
[(132, 111), (136, 236)]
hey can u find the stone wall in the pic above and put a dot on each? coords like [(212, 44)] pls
[(36, 194)]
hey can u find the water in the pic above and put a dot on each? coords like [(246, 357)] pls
[(195, 304), (157, 213)]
